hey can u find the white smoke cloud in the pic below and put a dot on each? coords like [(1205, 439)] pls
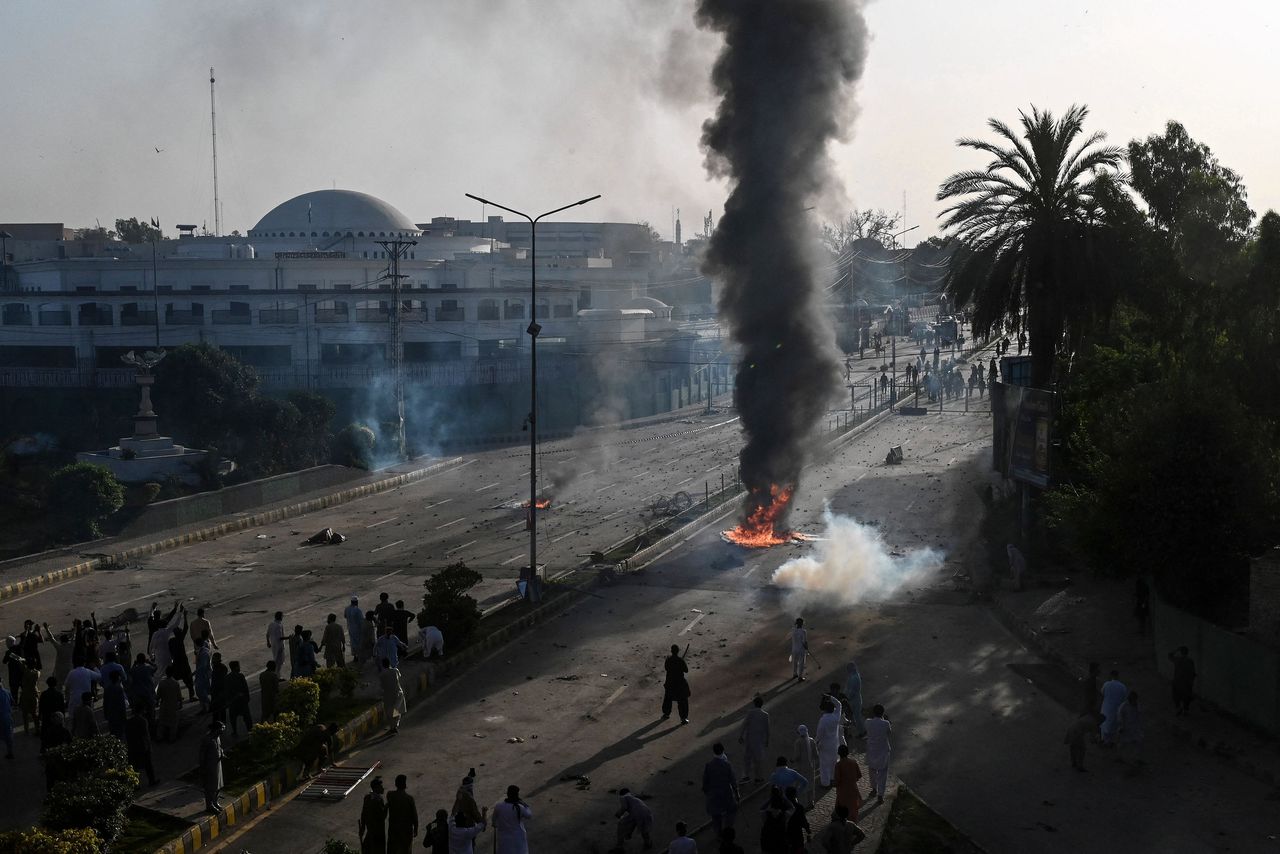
[(851, 564)]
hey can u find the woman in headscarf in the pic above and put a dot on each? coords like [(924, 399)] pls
[(805, 758), (853, 691)]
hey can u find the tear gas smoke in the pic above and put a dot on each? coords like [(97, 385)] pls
[(784, 78), (851, 564)]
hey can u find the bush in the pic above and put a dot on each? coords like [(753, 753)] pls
[(81, 495), (273, 740), (85, 757), (337, 846), (353, 446), (98, 802), (37, 840), (343, 680), (348, 681), (302, 698), (454, 613)]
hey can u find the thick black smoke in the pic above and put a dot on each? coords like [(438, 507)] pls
[(785, 78)]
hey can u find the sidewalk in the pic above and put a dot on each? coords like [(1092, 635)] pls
[(1077, 619)]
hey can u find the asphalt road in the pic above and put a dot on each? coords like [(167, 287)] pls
[(976, 739)]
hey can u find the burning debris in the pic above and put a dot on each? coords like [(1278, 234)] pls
[(783, 76), (541, 504)]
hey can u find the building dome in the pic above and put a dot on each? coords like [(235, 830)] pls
[(335, 213)]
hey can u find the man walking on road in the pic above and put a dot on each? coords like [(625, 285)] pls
[(402, 818), (333, 643), (372, 827), (509, 816), (754, 736), (211, 767), (269, 690), (676, 687), (841, 835), (830, 735), (805, 753), (878, 750), (1114, 693), (389, 648), (238, 699), (720, 788), (355, 626), (683, 843), (799, 649), (393, 704), (201, 626), (633, 814), (275, 640)]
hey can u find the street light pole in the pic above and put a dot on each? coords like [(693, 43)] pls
[(534, 593)]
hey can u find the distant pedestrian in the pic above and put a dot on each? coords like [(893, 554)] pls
[(355, 626), (372, 826), (785, 777), (317, 746), (168, 708), (1114, 693), (1184, 680), (799, 649), (463, 831), (211, 755), (1076, 737), (829, 737), (633, 814), (683, 843), (1129, 732), (773, 823), (80, 681), (384, 611), (333, 643), (805, 752), (436, 837), (400, 619), (83, 723), (307, 651), (842, 834), (201, 628), (29, 700), (115, 706), (402, 818), (238, 699), (218, 689), (798, 829), (675, 687), (275, 640), (1017, 565), (389, 648), (203, 672), (295, 647), (846, 781), (137, 740), (1089, 692), (6, 721), (853, 693), (269, 690), (393, 703), (720, 789), (1141, 603), (754, 736), (142, 686), (369, 637), (464, 801), (509, 817), (178, 653), (51, 703), (878, 751), (432, 640)]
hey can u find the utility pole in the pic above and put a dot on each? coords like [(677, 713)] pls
[(396, 249), (213, 123)]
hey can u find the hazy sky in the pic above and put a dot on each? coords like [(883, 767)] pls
[(538, 102)]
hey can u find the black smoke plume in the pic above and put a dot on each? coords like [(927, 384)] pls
[(784, 77)]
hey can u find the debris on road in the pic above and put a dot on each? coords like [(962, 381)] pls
[(515, 739), (327, 537)]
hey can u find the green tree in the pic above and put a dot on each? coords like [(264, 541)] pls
[(315, 412), (447, 604), (1198, 202), (1034, 232), (353, 446), (198, 387), (132, 231), (81, 496)]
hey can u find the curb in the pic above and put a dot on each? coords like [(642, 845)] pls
[(26, 585), (356, 731)]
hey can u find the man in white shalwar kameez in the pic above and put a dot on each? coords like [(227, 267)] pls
[(799, 649), (754, 737), (509, 816), (804, 755), (830, 735), (275, 640)]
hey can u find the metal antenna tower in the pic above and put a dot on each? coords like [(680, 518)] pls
[(397, 249), (213, 121)]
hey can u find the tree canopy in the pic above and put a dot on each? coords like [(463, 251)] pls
[(133, 231)]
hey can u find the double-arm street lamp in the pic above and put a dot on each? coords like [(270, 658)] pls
[(534, 592)]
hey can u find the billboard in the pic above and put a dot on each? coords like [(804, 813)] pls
[(1022, 432)]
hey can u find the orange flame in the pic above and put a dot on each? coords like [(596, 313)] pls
[(759, 530), (543, 504)]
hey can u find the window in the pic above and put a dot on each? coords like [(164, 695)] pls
[(353, 354), (128, 289), (85, 289), (432, 351), (239, 289)]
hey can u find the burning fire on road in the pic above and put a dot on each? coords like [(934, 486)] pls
[(542, 504), (765, 525)]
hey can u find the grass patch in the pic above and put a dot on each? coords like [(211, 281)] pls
[(147, 830), (913, 828)]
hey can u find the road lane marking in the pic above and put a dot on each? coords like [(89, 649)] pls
[(388, 575), (562, 536), (461, 547), (437, 504), (387, 546), (692, 623), (383, 522), (42, 590), (587, 472), (751, 570), (301, 575), (512, 559), (683, 482), (710, 470), (603, 488), (615, 695), (950, 461), (515, 525), (454, 522), (638, 476), (489, 486), (912, 504), (232, 599), (614, 513), (861, 476), (136, 598), (303, 607)]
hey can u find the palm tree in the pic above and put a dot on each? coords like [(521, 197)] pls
[(1033, 229)]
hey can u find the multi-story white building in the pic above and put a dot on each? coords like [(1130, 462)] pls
[(307, 298)]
